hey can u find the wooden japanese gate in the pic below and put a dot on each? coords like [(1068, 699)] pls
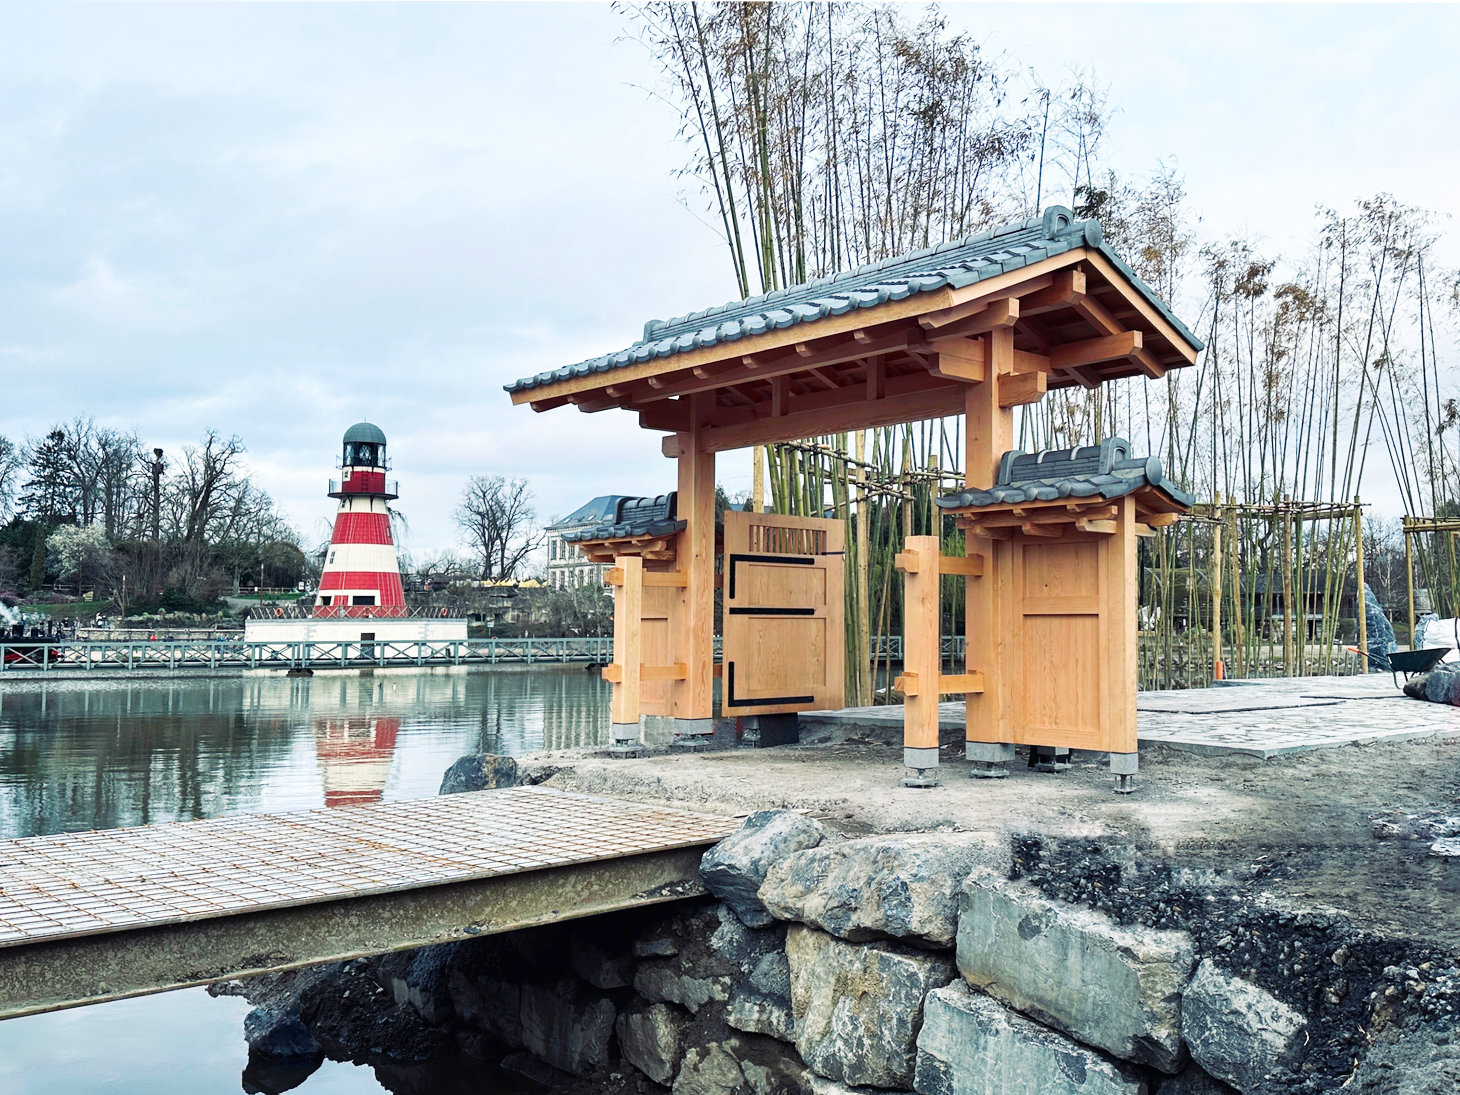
[(974, 328)]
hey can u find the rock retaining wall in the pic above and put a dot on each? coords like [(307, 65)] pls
[(941, 964)]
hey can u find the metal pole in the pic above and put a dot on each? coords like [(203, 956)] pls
[(1218, 670)]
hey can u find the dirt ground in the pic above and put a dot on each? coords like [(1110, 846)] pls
[(1349, 827)]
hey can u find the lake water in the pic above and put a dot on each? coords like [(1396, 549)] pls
[(78, 755)]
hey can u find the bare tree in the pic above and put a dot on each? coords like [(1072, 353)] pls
[(10, 464), (498, 522)]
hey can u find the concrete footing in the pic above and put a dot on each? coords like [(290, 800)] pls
[(989, 760), (921, 767), (693, 735)]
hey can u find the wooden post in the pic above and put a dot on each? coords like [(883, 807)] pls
[(1287, 593), (1119, 680), (1218, 670), (922, 662), (694, 644), (863, 622), (1363, 608), (988, 434), (628, 653), (1409, 579), (757, 479)]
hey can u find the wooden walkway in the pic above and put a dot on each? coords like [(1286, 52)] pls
[(92, 916)]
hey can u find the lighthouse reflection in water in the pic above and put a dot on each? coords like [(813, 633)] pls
[(354, 757)]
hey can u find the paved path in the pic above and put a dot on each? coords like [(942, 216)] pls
[(1260, 718), (98, 915)]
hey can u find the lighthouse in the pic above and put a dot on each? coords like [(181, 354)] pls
[(361, 573), (360, 605)]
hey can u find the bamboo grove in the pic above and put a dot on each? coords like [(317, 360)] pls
[(821, 137)]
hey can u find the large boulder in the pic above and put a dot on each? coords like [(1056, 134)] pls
[(900, 886), (970, 1044), (742, 1065), (279, 1036), (858, 1007), (734, 869), (1075, 969), (1239, 1032), (567, 1026), (651, 1038), (1380, 641), (479, 772)]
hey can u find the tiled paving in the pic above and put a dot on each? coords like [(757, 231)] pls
[(86, 883), (1259, 718)]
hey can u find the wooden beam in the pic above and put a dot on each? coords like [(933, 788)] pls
[(876, 378), (970, 566), (953, 684), (541, 405), (975, 317), (1095, 351), (853, 413), (1103, 528), (1065, 287), (590, 404), (1022, 388), (961, 359), (1026, 362)]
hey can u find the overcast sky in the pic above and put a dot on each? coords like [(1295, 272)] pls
[(274, 220)]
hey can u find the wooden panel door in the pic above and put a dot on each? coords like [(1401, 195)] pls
[(784, 641)]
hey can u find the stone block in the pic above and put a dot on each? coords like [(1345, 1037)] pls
[(742, 1065), (734, 869), (651, 1038), (905, 887), (1115, 988), (858, 1007), (1238, 1031), (479, 772), (489, 1004), (757, 1013), (565, 1026), (599, 967), (279, 1036), (820, 1085), (970, 1044), (1194, 1080), (666, 981)]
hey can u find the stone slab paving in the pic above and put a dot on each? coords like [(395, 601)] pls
[(1261, 718)]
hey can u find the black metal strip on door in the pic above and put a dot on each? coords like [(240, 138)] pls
[(766, 701)]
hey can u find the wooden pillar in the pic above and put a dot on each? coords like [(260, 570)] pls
[(922, 662), (694, 644), (1287, 593), (1363, 609), (1218, 669), (1120, 586), (628, 653), (1409, 578), (863, 623), (988, 434), (757, 479)]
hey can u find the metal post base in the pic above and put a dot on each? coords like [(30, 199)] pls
[(692, 735), (920, 767), (1049, 758), (1123, 766), (988, 760), (625, 740)]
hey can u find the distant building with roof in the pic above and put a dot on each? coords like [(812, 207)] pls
[(567, 567), (606, 517)]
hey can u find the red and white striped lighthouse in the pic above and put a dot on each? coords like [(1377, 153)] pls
[(361, 573)]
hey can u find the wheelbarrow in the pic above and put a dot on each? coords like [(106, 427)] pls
[(1409, 662)]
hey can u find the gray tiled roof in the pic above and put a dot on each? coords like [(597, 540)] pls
[(1106, 470), (597, 511), (953, 265), (635, 517)]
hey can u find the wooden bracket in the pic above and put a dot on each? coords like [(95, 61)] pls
[(907, 684), (954, 683), (909, 562), (1103, 528), (672, 579), (970, 566), (614, 674)]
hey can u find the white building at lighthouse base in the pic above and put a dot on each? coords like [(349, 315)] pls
[(353, 629)]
